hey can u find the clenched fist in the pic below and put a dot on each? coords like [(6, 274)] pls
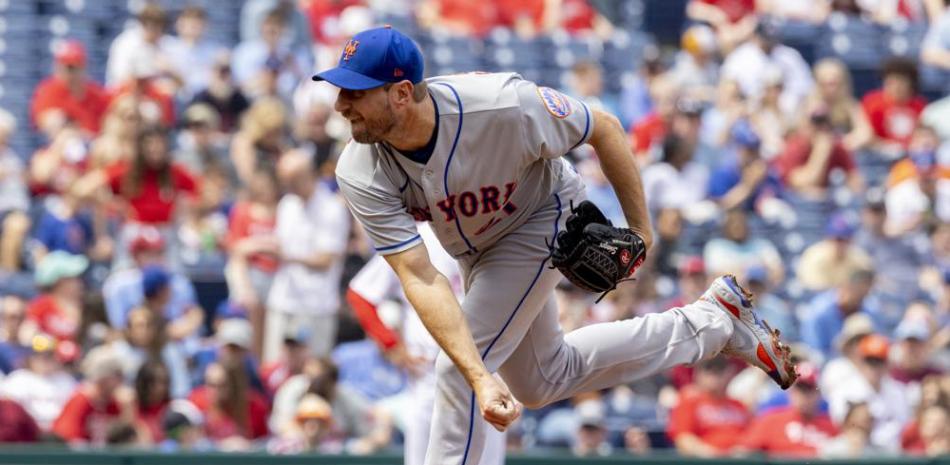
[(496, 403)]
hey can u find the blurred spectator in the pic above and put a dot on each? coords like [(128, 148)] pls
[(153, 96), (13, 348), (886, 398), (898, 259), (799, 430), (912, 351), (254, 249), (267, 65), (291, 361), (838, 371), (457, 17), (648, 132), (152, 397), (17, 425), (313, 431), (768, 305), (895, 108), (742, 182), (312, 228), (834, 95), (204, 223), (804, 11), (183, 428), (693, 280), (812, 152), (170, 294), (69, 95), (223, 94), (144, 340), (58, 310), (120, 127), (189, 53), (231, 345), (636, 101), (677, 181), (324, 18), (769, 120), (262, 139), (312, 132), (916, 435), (14, 203), (749, 64), (733, 20), (918, 195), (825, 316), (695, 69), (98, 404), (231, 410), (150, 184), (854, 439), (296, 34), (934, 431), (600, 191), (71, 224), (586, 83), (42, 386), (735, 251), (202, 145), (832, 261), (144, 42), (935, 50), (706, 423), (590, 440)]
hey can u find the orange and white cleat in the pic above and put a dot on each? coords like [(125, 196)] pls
[(753, 339)]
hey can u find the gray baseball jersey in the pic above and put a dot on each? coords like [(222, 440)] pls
[(495, 190), (496, 160)]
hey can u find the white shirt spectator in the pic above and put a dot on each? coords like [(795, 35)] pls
[(906, 203), (129, 50), (193, 62), (889, 406), (665, 187), (13, 192), (43, 397), (749, 65), (723, 256), (305, 227)]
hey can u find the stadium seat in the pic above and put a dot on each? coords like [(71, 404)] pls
[(855, 41)]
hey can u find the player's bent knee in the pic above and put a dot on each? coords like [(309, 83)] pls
[(531, 397)]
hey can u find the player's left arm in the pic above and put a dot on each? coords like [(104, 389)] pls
[(617, 162)]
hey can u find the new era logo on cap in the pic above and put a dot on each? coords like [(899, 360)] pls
[(374, 58)]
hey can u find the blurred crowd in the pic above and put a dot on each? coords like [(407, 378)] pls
[(188, 164)]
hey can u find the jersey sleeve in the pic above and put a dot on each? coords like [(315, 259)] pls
[(553, 123), (375, 202)]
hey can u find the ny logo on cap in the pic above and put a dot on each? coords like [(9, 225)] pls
[(349, 49)]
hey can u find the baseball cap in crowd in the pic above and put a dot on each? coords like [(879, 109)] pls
[(692, 265), (236, 332), (874, 346), (839, 228), (689, 107), (874, 199), (591, 413), (744, 136), (154, 279), (768, 29), (147, 239), (313, 407), (59, 265), (855, 326), (807, 375), (912, 328), (373, 58), (201, 114), (71, 53)]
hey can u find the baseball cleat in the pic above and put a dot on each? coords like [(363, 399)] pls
[(753, 339)]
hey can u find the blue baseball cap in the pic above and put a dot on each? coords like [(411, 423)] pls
[(373, 58), (154, 280)]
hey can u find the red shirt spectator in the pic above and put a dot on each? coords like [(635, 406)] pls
[(466, 16), (17, 424), (83, 420), (735, 10), (324, 16), (893, 121), (797, 152), (153, 204), (221, 426), (786, 432), (245, 223), (69, 90), (510, 12), (649, 131), (156, 105), (717, 420), (52, 318)]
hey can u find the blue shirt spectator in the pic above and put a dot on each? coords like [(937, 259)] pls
[(62, 229), (364, 369), (269, 65), (232, 341), (824, 319)]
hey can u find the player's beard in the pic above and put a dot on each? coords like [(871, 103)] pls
[(371, 131)]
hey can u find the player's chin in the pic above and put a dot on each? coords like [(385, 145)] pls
[(363, 136)]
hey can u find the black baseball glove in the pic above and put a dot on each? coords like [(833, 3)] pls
[(592, 253)]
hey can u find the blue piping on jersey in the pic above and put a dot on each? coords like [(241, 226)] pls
[(394, 246), (448, 163), (471, 408), (586, 127)]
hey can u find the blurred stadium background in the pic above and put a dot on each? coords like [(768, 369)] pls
[(802, 145)]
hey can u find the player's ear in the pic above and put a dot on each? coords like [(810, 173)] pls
[(402, 93)]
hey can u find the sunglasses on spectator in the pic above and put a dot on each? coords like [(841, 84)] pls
[(875, 362)]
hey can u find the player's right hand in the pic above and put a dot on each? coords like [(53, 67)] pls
[(497, 405)]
